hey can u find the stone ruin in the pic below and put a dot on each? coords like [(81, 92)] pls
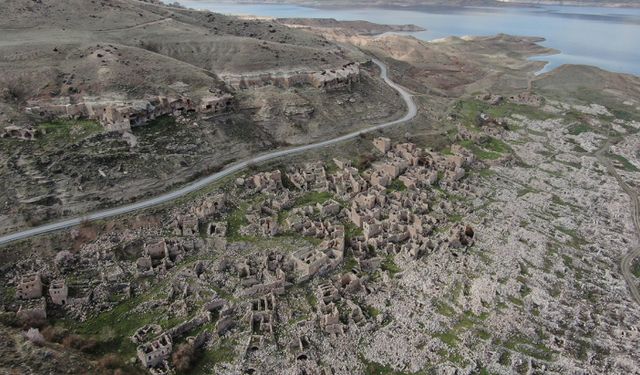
[(312, 177), (333, 79), (146, 333), (328, 80), (383, 223), (118, 114), (266, 181), (16, 132), (260, 315), (158, 256), (59, 292), (32, 310), (29, 287), (382, 144), (185, 225), (263, 276), (298, 347), (461, 236), (114, 114), (216, 103), (155, 353), (330, 319), (309, 262)]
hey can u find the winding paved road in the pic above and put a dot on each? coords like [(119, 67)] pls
[(412, 111), (627, 259)]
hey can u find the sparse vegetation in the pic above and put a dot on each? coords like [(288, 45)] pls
[(390, 266), (530, 348), (624, 163), (313, 197), (489, 150), (235, 221), (396, 185), (444, 309), (184, 357), (67, 131), (635, 268)]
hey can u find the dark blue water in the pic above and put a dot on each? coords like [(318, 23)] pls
[(604, 37)]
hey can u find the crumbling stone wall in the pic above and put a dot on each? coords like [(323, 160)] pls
[(330, 79), (121, 114)]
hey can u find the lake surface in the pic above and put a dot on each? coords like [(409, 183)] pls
[(605, 37)]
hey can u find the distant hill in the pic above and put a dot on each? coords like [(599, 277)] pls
[(404, 3)]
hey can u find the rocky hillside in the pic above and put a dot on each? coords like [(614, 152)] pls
[(76, 75)]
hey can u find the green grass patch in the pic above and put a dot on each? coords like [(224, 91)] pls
[(496, 145), (372, 312), (163, 124), (579, 128), (350, 263), (516, 301), (389, 265), (468, 111), (635, 268), (235, 221), (486, 172), (374, 368), (450, 338), (505, 358), (455, 218), (555, 290), (224, 353), (490, 150), (576, 240), (582, 350), (483, 334), (113, 328), (396, 185), (351, 231), (68, 131), (445, 309), (526, 190), (311, 298), (624, 163), (313, 197), (530, 348)]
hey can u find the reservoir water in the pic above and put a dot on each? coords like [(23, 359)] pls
[(605, 37)]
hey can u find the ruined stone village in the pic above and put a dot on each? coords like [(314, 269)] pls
[(353, 228)]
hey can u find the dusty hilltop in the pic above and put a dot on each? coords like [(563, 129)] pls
[(492, 234)]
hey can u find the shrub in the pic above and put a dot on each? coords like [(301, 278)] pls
[(33, 321), (34, 335), (184, 357), (54, 334), (80, 343), (63, 259), (110, 361)]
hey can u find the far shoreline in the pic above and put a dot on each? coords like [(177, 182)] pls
[(418, 7)]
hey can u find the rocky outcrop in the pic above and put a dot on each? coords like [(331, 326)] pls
[(330, 79), (117, 114), (16, 132), (216, 102)]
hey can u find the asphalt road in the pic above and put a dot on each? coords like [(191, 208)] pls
[(412, 111)]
